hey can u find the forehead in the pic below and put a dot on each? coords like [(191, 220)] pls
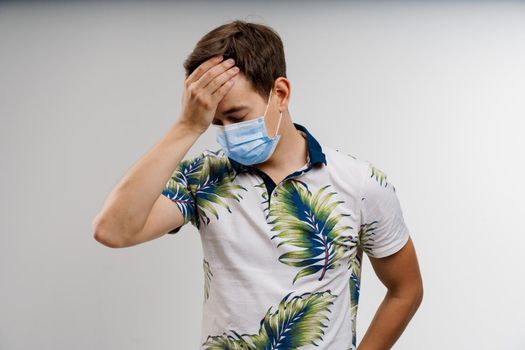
[(240, 94)]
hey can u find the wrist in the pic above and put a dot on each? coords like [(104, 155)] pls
[(188, 129)]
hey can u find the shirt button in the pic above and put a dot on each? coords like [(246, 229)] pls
[(275, 194)]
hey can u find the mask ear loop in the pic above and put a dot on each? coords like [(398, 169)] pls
[(280, 115), (268, 103), (279, 123)]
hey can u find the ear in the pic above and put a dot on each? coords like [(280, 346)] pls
[(282, 92)]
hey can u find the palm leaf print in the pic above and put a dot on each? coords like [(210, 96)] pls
[(178, 186), (366, 232), (207, 278), (297, 322), (266, 198), (379, 175), (354, 286), (307, 221), (214, 184), (190, 169)]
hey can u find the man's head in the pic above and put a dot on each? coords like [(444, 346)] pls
[(258, 52)]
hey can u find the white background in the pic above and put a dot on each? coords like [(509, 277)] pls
[(433, 93)]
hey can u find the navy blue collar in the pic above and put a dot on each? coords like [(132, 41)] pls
[(315, 151)]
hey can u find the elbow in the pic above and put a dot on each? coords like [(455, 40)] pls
[(107, 237), (420, 296), (416, 296), (107, 240), (412, 294)]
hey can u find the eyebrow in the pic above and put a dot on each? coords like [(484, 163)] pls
[(234, 109)]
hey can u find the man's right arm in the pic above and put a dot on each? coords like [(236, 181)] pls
[(134, 212)]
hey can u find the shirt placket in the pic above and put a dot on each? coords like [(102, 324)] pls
[(271, 186)]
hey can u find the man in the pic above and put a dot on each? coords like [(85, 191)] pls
[(283, 219)]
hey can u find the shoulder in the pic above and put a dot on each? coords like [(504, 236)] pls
[(215, 160), (213, 154), (356, 167), (205, 156), (347, 163), (209, 163)]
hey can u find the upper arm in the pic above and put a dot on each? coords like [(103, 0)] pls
[(174, 207), (384, 235), (400, 272)]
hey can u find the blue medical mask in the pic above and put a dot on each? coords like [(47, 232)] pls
[(248, 142)]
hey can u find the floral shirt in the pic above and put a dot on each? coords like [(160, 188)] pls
[(282, 262)]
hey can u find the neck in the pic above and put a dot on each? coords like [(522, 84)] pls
[(291, 151)]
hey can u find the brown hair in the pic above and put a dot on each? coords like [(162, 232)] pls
[(256, 48)]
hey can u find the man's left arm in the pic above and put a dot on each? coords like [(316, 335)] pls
[(400, 274), (385, 238)]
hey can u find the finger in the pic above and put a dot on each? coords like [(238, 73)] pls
[(223, 89), (221, 79), (203, 68), (211, 73)]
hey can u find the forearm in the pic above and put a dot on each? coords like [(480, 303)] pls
[(389, 322), (127, 206)]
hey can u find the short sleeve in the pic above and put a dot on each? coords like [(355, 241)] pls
[(383, 230), (179, 190)]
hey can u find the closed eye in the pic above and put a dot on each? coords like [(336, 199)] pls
[(233, 119), (237, 118)]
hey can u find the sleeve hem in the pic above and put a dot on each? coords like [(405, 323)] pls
[(394, 249)]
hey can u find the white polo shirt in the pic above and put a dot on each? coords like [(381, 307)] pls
[(282, 262)]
